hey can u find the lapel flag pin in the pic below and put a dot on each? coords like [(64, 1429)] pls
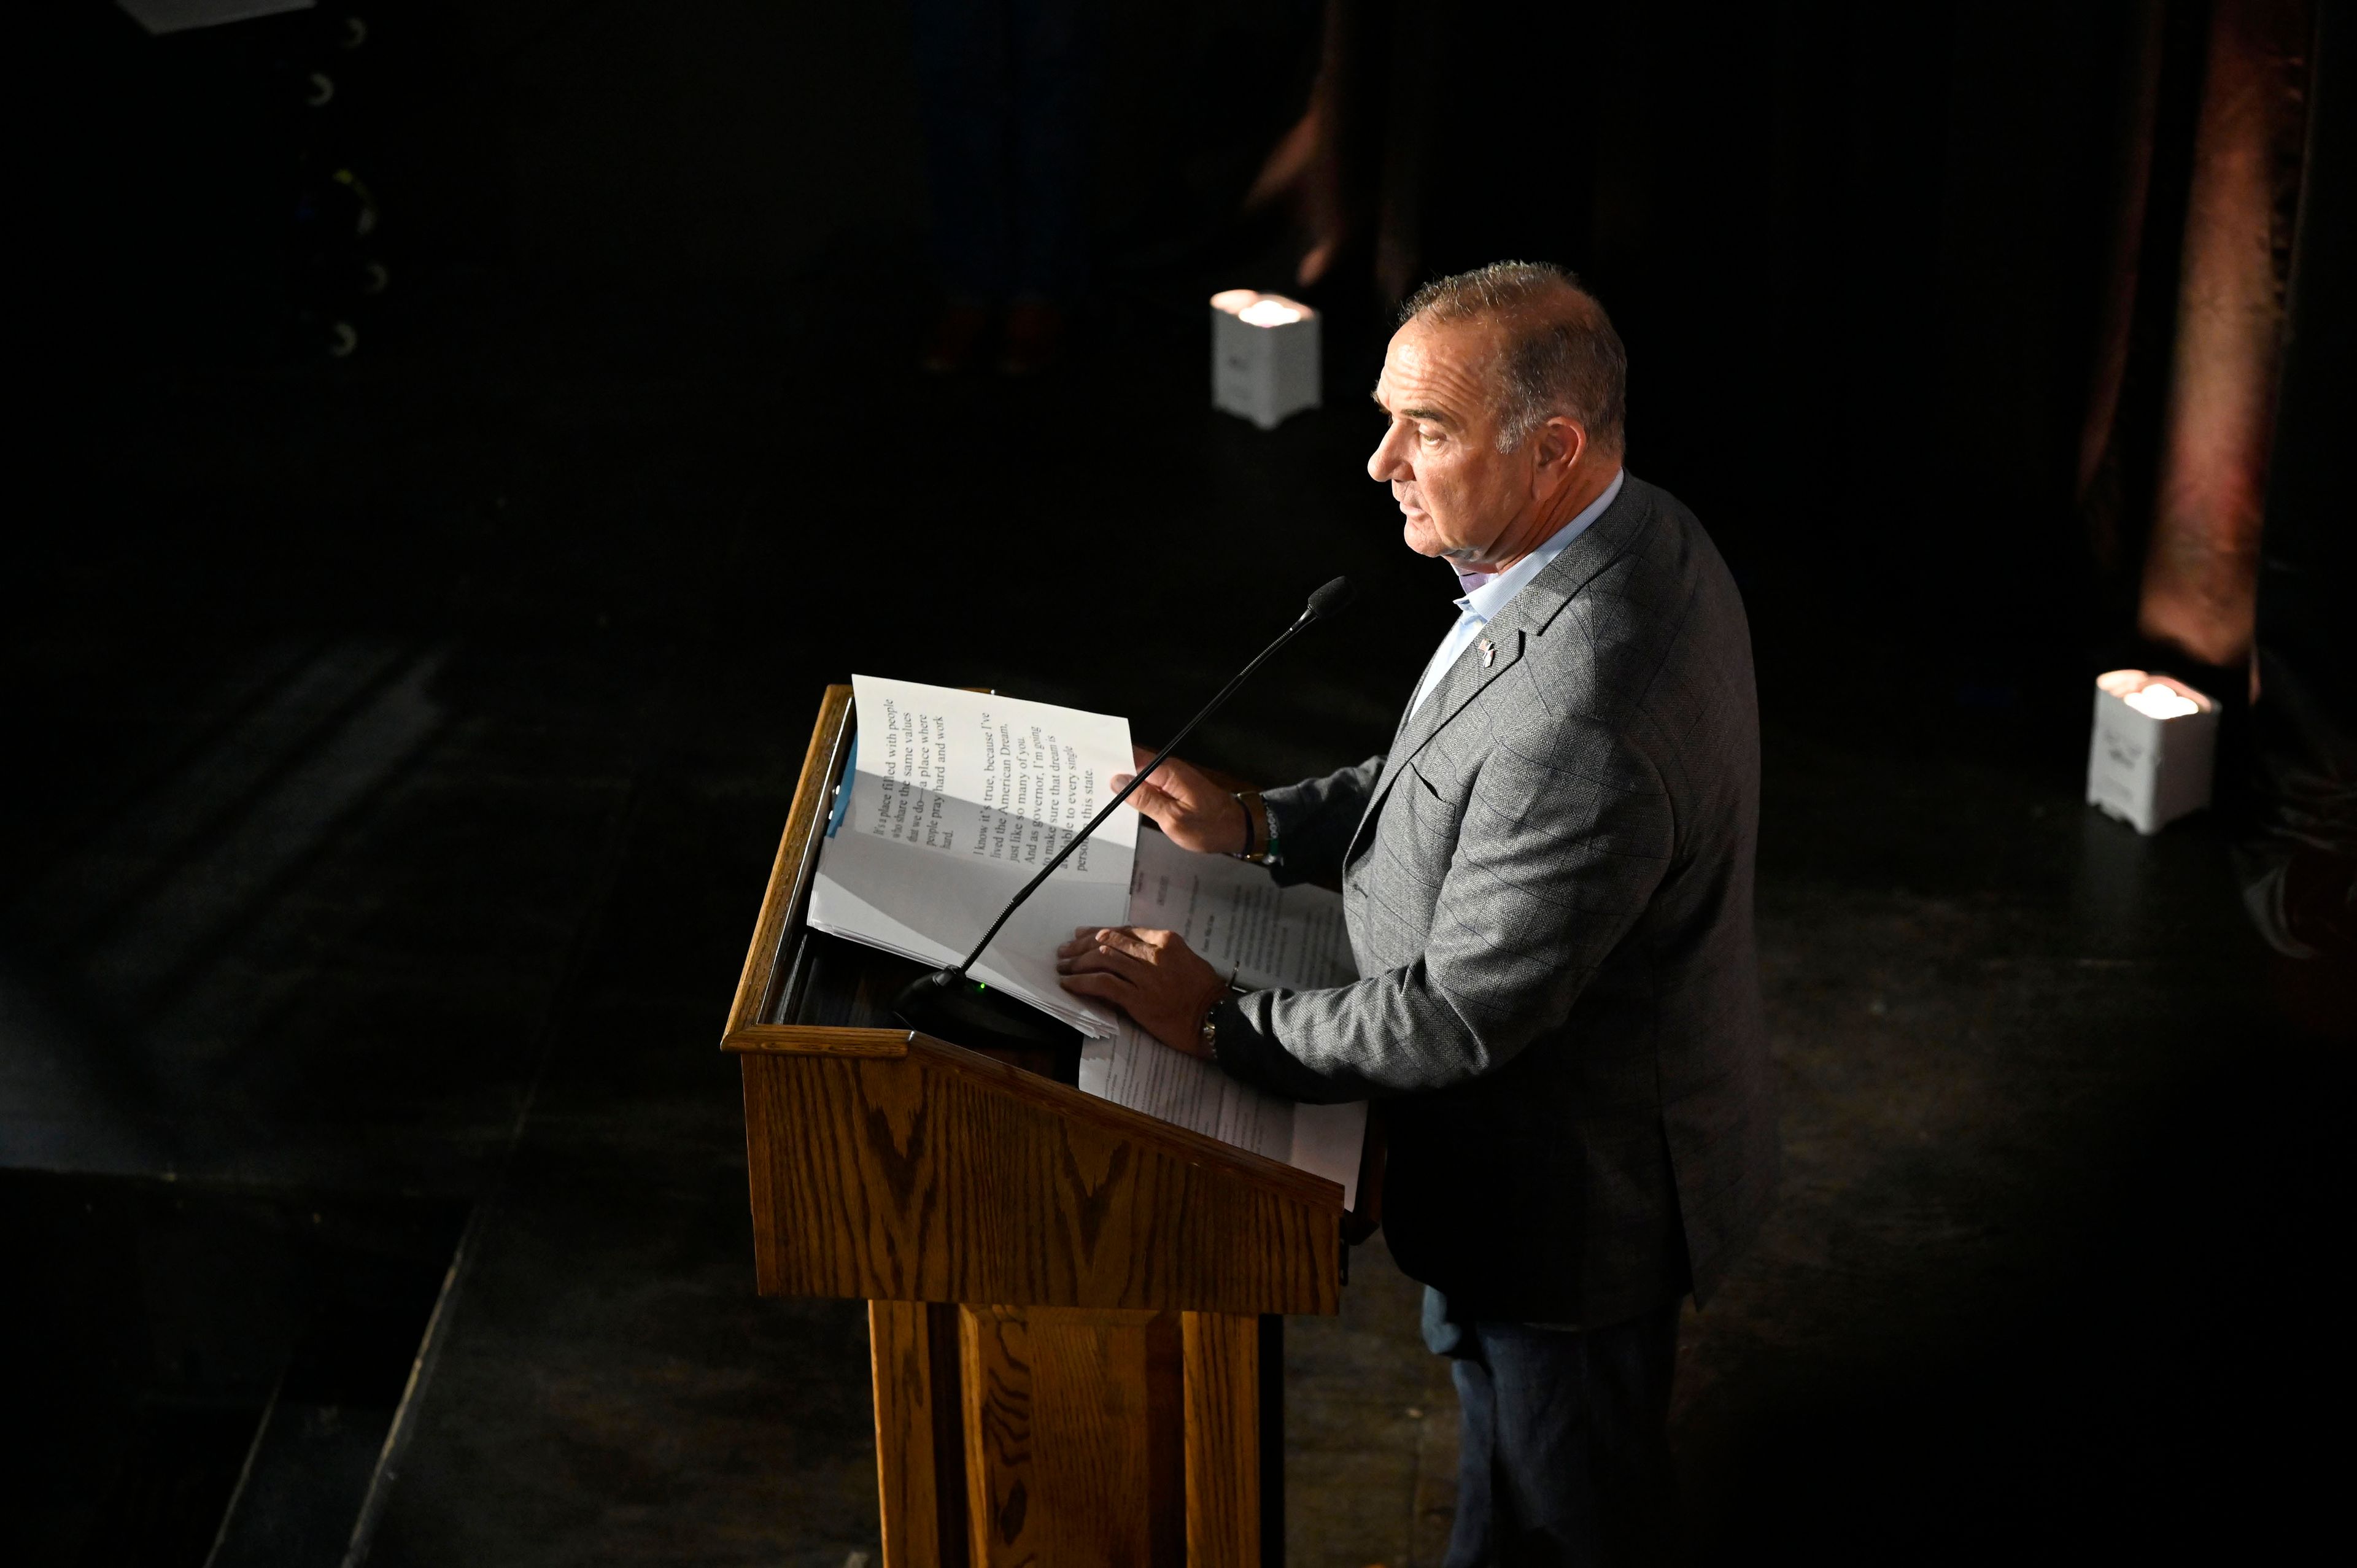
[(1489, 652)]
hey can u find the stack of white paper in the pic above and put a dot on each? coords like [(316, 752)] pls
[(955, 801), (1232, 912)]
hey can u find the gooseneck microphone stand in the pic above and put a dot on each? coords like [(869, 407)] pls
[(947, 1002)]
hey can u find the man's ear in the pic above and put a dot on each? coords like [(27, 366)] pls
[(1560, 444)]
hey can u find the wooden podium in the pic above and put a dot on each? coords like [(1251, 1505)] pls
[(1071, 1305)]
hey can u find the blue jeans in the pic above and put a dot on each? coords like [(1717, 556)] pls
[(1565, 1454), (1004, 85)]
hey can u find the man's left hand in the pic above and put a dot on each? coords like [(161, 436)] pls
[(1153, 976)]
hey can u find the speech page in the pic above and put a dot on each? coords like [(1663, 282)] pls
[(1233, 914), (954, 800)]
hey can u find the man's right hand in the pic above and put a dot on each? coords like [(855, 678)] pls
[(1196, 813)]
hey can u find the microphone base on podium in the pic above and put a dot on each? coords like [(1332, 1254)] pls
[(949, 1006)]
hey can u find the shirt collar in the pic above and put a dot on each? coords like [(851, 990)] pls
[(1486, 593)]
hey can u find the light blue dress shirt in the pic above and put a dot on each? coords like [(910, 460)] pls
[(1486, 595)]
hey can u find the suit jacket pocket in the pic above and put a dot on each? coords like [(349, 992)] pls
[(1430, 814), (1398, 884)]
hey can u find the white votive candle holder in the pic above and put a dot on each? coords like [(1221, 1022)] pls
[(2154, 751), (1264, 356)]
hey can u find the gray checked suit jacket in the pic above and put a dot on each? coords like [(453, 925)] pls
[(1548, 886)]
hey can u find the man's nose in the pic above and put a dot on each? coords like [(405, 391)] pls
[(1380, 464)]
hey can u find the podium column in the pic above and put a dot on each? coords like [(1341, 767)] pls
[(1067, 1435)]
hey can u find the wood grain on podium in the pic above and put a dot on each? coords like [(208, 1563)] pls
[(1072, 1436), (1223, 1409), (790, 875), (801, 1041), (943, 1176), (920, 1454)]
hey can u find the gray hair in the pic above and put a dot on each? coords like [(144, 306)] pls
[(1562, 356)]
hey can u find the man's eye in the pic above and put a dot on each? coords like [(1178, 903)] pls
[(1426, 435)]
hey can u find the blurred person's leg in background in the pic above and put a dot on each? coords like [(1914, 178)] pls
[(963, 91), (1003, 89), (1051, 59)]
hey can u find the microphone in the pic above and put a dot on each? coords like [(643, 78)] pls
[(1326, 602), (944, 999)]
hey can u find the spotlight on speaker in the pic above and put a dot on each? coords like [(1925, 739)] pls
[(1264, 356), (2154, 745)]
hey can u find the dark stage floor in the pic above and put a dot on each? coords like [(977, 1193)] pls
[(399, 755)]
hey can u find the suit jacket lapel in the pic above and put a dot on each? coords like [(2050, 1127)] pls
[(1467, 678), (1526, 614), (1485, 660)]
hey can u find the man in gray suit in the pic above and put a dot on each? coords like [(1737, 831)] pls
[(1548, 885)]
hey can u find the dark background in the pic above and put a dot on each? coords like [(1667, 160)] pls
[(1856, 252), (401, 737)]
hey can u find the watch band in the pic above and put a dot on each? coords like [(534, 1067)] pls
[(1207, 1032), (1260, 829)]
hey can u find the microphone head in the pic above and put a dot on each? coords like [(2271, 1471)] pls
[(1330, 598)]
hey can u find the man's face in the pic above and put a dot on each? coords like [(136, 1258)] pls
[(1458, 494)]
